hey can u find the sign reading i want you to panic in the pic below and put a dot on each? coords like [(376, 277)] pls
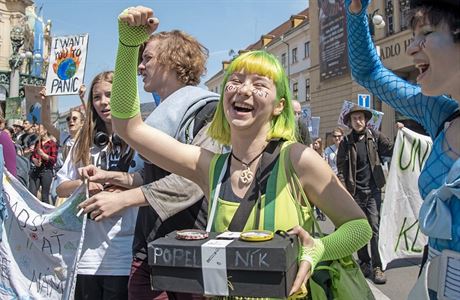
[(67, 65)]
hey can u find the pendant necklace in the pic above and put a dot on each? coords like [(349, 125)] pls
[(247, 175)]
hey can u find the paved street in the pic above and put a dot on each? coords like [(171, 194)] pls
[(401, 275)]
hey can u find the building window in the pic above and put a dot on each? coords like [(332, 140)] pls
[(283, 59), (389, 13), (306, 50), (404, 9), (307, 89), (294, 55), (295, 90)]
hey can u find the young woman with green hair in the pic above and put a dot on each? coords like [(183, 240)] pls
[(254, 113)]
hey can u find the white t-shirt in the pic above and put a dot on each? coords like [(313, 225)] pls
[(330, 154), (107, 248)]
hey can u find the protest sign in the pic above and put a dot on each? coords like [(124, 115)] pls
[(39, 244), (314, 125), (13, 108), (400, 236), (67, 65), (35, 108), (374, 122)]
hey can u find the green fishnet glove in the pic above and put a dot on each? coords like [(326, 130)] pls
[(348, 238), (313, 254), (124, 102)]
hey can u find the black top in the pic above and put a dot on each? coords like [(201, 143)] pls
[(363, 171)]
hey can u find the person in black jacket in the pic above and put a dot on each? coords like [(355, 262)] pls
[(360, 171)]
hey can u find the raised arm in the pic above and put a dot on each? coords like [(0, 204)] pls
[(135, 25), (45, 120), (368, 71)]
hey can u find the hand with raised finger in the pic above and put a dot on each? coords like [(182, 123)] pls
[(135, 24)]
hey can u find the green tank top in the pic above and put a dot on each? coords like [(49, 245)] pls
[(279, 209)]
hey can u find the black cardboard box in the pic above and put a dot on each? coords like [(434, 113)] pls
[(251, 269)]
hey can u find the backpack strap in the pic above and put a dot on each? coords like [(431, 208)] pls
[(262, 179), (204, 116), (268, 161), (198, 120), (217, 171)]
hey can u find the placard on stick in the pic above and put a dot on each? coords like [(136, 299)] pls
[(36, 111), (67, 64)]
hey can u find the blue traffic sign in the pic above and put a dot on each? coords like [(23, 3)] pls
[(364, 100)]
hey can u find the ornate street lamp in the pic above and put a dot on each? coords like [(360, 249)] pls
[(16, 60)]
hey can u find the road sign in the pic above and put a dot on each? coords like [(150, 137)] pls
[(364, 100)]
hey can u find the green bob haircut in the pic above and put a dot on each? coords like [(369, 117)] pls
[(264, 64)]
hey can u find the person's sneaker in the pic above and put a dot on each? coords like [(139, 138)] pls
[(366, 269), (379, 276)]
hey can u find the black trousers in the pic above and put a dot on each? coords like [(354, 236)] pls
[(100, 287), (370, 201), (41, 177)]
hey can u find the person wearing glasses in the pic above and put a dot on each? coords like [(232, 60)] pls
[(75, 121), (330, 153)]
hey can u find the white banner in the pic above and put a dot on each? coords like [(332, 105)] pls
[(39, 244), (67, 62), (400, 235)]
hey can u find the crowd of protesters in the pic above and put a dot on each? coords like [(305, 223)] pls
[(31, 153), (253, 115)]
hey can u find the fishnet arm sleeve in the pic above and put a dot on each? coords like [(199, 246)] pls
[(348, 238), (124, 102), (369, 72)]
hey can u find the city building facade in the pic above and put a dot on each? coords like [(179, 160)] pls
[(24, 45), (328, 93), (290, 43), (315, 56)]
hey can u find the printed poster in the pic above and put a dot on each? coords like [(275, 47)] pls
[(67, 64), (333, 58)]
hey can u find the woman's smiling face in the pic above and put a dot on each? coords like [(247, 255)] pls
[(249, 99), (437, 57)]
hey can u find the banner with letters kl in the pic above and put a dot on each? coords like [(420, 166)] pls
[(400, 235), (67, 64), (39, 244)]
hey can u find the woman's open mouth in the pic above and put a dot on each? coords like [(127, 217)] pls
[(422, 68), (242, 107)]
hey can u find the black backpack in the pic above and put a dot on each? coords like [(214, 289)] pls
[(22, 167)]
